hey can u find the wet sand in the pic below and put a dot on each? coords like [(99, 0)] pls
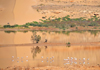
[(48, 54), (74, 67)]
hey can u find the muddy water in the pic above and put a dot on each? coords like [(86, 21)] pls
[(41, 56), (52, 37), (47, 55)]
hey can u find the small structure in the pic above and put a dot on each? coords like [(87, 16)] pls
[(8, 23), (96, 14), (45, 40)]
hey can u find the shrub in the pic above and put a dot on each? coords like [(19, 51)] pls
[(93, 24), (6, 26), (72, 25), (35, 37), (16, 25), (68, 44), (26, 26), (38, 38), (76, 27), (37, 10)]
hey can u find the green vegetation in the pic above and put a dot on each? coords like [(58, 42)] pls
[(37, 10), (61, 23), (94, 32), (68, 44), (41, 5), (10, 31), (13, 26), (35, 38), (0, 26)]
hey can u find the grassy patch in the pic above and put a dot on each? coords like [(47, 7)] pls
[(61, 23)]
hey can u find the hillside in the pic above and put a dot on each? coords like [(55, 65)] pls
[(23, 11)]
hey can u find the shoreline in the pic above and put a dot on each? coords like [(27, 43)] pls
[(90, 44), (46, 29), (68, 67)]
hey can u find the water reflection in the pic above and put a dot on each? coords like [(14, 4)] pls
[(94, 32), (15, 31), (46, 47), (35, 51), (53, 56), (50, 37), (10, 31), (35, 38)]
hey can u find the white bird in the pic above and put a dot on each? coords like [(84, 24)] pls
[(68, 58), (88, 61), (52, 56), (83, 58), (42, 57), (12, 56), (83, 62), (12, 60), (67, 63), (71, 57), (75, 62), (26, 60), (65, 59), (26, 56), (75, 58)]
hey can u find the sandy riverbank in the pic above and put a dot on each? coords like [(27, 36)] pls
[(66, 67)]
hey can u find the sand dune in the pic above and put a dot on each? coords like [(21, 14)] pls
[(6, 11), (17, 11), (21, 11), (24, 13)]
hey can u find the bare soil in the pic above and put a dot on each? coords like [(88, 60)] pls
[(67, 67)]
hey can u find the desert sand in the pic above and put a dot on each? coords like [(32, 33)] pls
[(23, 11), (74, 67)]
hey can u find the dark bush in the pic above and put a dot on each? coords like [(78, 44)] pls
[(72, 25), (93, 24), (6, 26)]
